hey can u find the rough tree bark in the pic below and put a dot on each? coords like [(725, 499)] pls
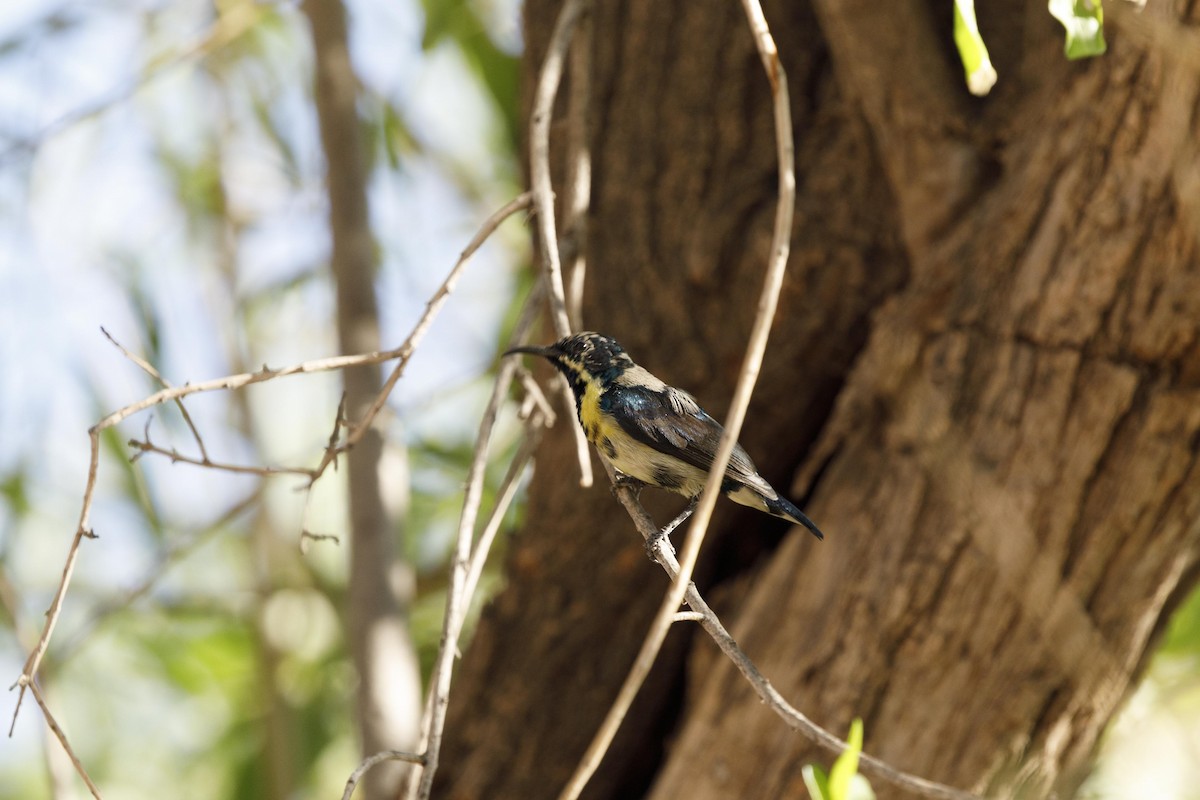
[(984, 382), (389, 685)]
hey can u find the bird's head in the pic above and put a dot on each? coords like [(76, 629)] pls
[(584, 358)]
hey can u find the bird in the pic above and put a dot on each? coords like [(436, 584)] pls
[(653, 433)]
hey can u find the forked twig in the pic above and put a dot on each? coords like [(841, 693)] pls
[(26, 680), (149, 369), (794, 718)]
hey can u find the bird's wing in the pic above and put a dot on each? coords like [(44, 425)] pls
[(673, 423)]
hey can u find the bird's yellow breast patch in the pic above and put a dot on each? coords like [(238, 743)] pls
[(594, 423)]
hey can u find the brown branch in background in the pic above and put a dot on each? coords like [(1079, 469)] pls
[(377, 605), (543, 197), (579, 167)]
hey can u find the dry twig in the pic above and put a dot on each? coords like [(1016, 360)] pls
[(795, 719), (433, 719), (26, 680), (62, 739), (373, 760), (543, 197), (680, 572), (780, 247)]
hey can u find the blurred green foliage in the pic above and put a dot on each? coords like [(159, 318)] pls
[(209, 650)]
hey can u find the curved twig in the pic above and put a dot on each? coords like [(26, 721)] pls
[(25, 681), (756, 347), (680, 572), (433, 719), (543, 199), (373, 760)]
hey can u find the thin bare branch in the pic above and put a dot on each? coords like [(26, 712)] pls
[(536, 396), (433, 719), (543, 196), (795, 719), (756, 347), (62, 739), (308, 536), (539, 161), (242, 469), (378, 758), (358, 428), (52, 614), (508, 491), (230, 382), (579, 167), (149, 369)]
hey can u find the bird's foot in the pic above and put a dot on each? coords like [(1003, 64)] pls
[(653, 543), (623, 481)]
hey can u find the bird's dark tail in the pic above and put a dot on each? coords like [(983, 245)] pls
[(782, 508)]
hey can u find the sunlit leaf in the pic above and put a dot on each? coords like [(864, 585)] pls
[(12, 489), (1084, 21), (1183, 634), (847, 763), (816, 781), (981, 75)]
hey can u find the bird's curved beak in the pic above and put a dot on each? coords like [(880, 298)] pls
[(544, 352)]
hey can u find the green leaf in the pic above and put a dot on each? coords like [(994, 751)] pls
[(1084, 21), (458, 22), (981, 75), (846, 765), (860, 789), (12, 489), (1183, 633), (817, 781)]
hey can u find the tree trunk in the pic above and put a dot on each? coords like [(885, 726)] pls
[(984, 384), (389, 681)]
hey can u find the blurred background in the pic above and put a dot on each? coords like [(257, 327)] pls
[(161, 176)]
